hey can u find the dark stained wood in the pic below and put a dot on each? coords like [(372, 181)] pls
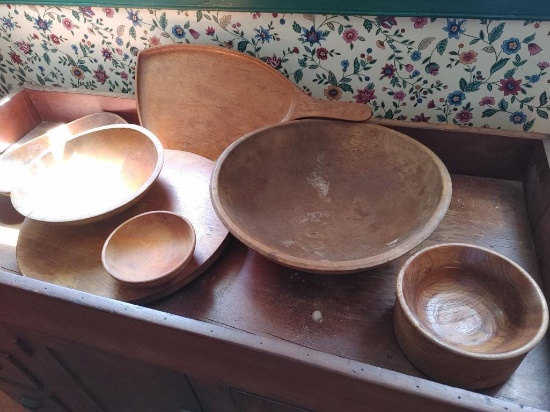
[(18, 116), (473, 151), (71, 255), (223, 95), (327, 196), (8, 404)]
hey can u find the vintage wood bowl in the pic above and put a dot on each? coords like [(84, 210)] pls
[(149, 249), (12, 161), (467, 316), (330, 196), (90, 177)]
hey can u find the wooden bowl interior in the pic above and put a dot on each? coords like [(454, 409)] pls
[(90, 175), (148, 248), (309, 193), (472, 300)]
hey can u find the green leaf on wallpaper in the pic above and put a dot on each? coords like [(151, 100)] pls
[(367, 24), (389, 114), (482, 35), (40, 80), (462, 84), (297, 28), (47, 59), (496, 33), (425, 43), (163, 21), (199, 16), (76, 15), (298, 76), (441, 46), (28, 16), (356, 66), (542, 113), (530, 38), (331, 25), (488, 49), (340, 29), (489, 112), (509, 73), (474, 41), (498, 65), (528, 125), (332, 79), (503, 105), (543, 99), (133, 32), (441, 118), (472, 86), (346, 87), (431, 66), (242, 45)]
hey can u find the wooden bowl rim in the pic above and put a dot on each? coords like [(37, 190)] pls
[(419, 327), (332, 267), (89, 217), (181, 263)]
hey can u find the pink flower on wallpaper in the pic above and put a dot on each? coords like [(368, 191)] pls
[(333, 93), (388, 70), (350, 35), (210, 31), (15, 58), (419, 22), (24, 47), (154, 41), (256, 15), (409, 68), (487, 100), (195, 34), (464, 116), (67, 23), (273, 61), (431, 104), (365, 95), (124, 75), (543, 65), (380, 44), (399, 95), (109, 11), (534, 48), (420, 118), (510, 86), (55, 39), (100, 76), (468, 57), (322, 53)]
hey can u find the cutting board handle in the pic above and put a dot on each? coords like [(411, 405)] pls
[(306, 106)]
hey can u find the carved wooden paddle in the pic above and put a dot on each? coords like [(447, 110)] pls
[(220, 95)]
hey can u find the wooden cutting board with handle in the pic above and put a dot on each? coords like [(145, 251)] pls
[(201, 98)]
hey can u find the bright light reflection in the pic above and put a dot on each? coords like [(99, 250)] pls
[(58, 136), (4, 101), (8, 236)]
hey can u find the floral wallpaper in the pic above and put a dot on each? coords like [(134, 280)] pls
[(455, 71)]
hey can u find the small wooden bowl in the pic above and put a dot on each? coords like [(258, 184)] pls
[(467, 316), (90, 177), (149, 249)]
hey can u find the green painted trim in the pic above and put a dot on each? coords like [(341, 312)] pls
[(495, 9)]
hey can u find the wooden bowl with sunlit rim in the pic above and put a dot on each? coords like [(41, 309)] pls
[(467, 316), (149, 249), (329, 196), (90, 177)]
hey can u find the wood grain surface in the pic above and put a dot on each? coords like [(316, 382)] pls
[(350, 316), (328, 196), (71, 255), (223, 95)]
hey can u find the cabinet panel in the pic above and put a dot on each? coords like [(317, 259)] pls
[(247, 402), (32, 399), (12, 370)]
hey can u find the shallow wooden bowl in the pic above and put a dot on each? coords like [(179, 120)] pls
[(13, 161), (467, 316), (90, 177), (149, 249), (328, 196)]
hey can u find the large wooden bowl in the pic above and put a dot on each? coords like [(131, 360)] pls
[(328, 196), (92, 176), (467, 316)]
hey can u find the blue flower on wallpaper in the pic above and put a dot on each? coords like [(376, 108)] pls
[(75, 48), (312, 36), (455, 98), (345, 64), (178, 31), (518, 118), (42, 24), (263, 34), (511, 46), (119, 41), (454, 28), (6, 22), (533, 78), (133, 16), (415, 73), (416, 55)]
